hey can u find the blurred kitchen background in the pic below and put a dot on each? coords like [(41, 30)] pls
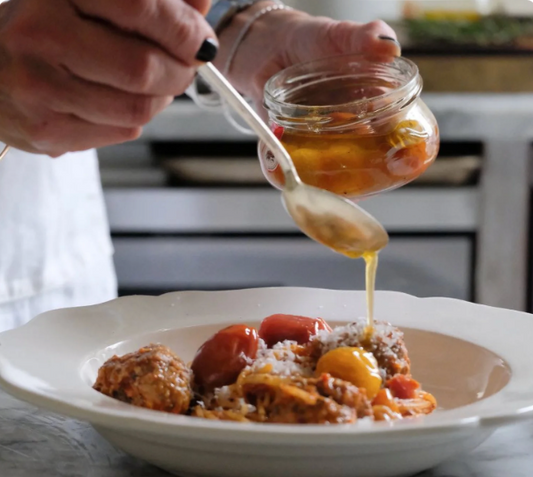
[(189, 207)]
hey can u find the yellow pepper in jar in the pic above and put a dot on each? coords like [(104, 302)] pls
[(359, 160)]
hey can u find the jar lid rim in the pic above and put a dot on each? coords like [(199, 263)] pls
[(413, 80)]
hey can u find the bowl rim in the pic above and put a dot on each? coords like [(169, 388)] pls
[(17, 380)]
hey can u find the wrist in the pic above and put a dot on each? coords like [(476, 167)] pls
[(231, 31), (249, 55)]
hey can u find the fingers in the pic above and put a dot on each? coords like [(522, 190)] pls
[(323, 37), (381, 39), (375, 38), (38, 85), (54, 134), (58, 134), (106, 106), (107, 56), (81, 74), (176, 26)]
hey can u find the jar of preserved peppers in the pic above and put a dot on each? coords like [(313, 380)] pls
[(353, 125)]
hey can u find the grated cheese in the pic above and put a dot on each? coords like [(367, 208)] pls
[(282, 361)]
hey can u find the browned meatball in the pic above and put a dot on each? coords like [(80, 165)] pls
[(153, 377), (388, 347), (386, 344)]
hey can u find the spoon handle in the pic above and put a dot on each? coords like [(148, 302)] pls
[(223, 87), (4, 151)]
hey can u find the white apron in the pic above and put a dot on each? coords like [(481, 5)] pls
[(55, 249)]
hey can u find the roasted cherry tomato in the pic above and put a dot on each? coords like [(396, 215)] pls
[(277, 130), (403, 387), (277, 328), (222, 357)]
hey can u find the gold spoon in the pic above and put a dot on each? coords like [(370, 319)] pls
[(4, 152)]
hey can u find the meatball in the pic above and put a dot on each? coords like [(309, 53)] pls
[(388, 347), (386, 344), (153, 378)]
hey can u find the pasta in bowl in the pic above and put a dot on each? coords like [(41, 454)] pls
[(476, 361), (294, 370)]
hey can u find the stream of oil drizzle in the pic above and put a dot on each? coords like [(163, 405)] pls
[(371, 262), (371, 266)]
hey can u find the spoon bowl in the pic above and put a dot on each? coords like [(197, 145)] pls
[(333, 221), (323, 216)]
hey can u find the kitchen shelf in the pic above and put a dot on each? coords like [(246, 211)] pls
[(227, 211), (424, 266)]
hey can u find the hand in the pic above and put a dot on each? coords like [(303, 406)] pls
[(282, 38), (78, 74)]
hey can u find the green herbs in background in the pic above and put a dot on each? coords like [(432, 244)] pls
[(485, 32)]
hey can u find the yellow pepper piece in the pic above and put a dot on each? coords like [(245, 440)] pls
[(407, 133), (354, 365)]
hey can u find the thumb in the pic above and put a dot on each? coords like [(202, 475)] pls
[(374, 39)]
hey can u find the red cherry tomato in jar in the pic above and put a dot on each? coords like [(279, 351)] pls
[(222, 357), (276, 328), (403, 387), (277, 130)]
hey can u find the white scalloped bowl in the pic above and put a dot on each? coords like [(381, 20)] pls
[(476, 360)]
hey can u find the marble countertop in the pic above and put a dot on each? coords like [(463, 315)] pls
[(34, 443)]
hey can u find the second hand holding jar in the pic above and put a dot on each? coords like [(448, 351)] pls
[(352, 125)]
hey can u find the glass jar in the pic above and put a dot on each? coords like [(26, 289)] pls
[(353, 125)]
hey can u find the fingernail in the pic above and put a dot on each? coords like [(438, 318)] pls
[(389, 38), (208, 51)]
